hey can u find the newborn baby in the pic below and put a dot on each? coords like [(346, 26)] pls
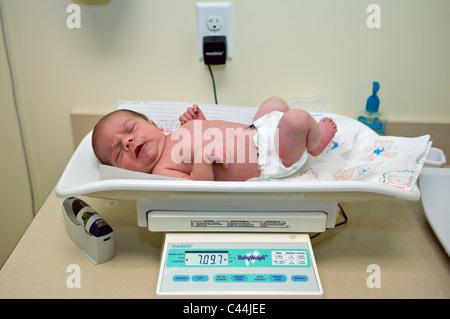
[(274, 146)]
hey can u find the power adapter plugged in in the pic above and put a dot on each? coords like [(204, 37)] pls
[(215, 49), (214, 53)]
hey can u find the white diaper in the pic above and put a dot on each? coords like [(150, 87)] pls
[(268, 159)]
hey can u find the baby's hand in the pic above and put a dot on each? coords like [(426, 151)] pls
[(192, 113), (215, 153)]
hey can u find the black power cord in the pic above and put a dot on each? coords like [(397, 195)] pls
[(214, 83), (214, 53), (338, 224)]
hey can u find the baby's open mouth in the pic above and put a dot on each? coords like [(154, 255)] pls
[(138, 150)]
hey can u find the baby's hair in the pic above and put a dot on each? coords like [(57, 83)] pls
[(95, 137), (128, 111)]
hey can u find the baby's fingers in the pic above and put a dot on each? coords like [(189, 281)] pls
[(187, 116), (191, 112), (183, 119)]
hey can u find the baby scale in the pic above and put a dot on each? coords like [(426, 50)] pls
[(227, 239), (254, 251)]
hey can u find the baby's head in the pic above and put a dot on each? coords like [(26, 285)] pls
[(128, 140)]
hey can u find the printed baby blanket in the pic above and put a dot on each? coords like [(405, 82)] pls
[(358, 153)]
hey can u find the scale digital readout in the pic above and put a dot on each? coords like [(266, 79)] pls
[(209, 265), (205, 258)]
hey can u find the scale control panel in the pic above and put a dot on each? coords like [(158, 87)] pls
[(238, 264)]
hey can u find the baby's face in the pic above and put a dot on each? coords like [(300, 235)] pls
[(130, 142)]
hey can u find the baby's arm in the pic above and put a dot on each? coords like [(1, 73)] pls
[(192, 113), (200, 172), (202, 167)]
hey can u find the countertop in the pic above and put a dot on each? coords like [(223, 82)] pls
[(393, 234)]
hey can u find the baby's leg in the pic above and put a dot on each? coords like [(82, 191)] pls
[(298, 131), (270, 105)]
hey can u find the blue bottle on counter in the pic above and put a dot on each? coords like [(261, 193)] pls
[(371, 116)]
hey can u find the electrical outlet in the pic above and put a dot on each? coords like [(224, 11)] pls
[(214, 19)]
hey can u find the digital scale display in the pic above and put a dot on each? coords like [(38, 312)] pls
[(206, 258), (238, 258)]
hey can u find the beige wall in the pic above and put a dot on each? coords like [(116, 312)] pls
[(147, 49), (15, 197)]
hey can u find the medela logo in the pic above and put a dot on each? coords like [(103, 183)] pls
[(252, 257), (215, 53), (181, 246)]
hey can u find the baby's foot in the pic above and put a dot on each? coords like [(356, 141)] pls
[(327, 129)]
